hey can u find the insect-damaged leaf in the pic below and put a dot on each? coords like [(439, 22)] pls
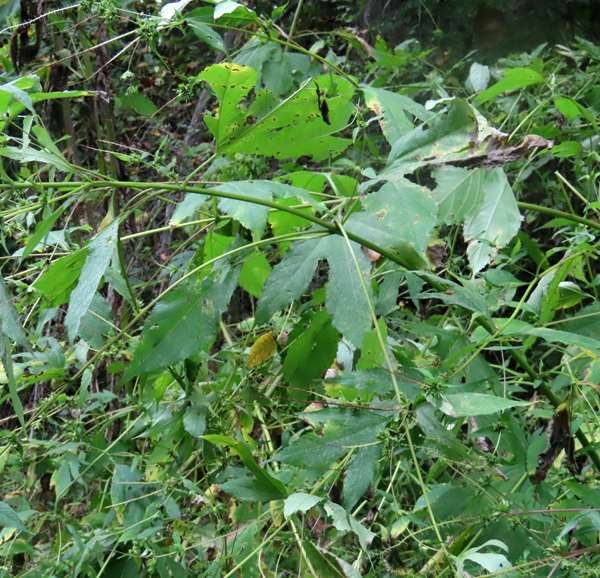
[(182, 324), (346, 299), (399, 217), (259, 130)]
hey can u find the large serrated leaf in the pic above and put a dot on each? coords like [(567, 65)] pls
[(399, 217), (346, 299), (349, 429), (258, 130), (495, 222), (182, 324), (98, 259)]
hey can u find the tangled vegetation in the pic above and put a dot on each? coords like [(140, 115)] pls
[(277, 302)]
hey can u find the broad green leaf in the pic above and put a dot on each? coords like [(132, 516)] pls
[(10, 321), (513, 78), (467, 404), (567, 108), (392, 107), (300, 502), (399, 217), (255, 271), (458, 192), (96, 323), (61, 478), (182, 324), (59, 280), (360, 474), (281, 70), (372, 353), (140, 103), (568, 148), (467, 296), (258, 130), (225, 7), (99, 255), (346, 300), (438, 436), (10, 519), (40, 156), (251, 489), (311, 350), (255, 53), (186, 210), (206, 34), (290, 278), (350, 429), (194, 420), (495, 222)]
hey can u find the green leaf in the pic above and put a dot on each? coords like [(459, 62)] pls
[(96, 323), (300, 502), (494, 223), (567, 108), (458, 192), (251, 489), (479, 76), (311, 350), (399, 217), (259, 129), (345, 430), (378, 381), (513, 78), (255, 272), (343, 521), (439, 436), (140, 103), (467, 296), (467, 404), (278, 72), (59, 280), (393, 107), (206, 34), (568, 148), (97, 260), (61, 479), (6, 358), (194, 420), (182, 324), (43, 228), (360, 474), (10, 321), (10, 519)]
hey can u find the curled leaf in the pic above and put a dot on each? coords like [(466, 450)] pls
[(263, 349)]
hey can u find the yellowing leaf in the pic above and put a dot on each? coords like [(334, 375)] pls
[(264, 348)]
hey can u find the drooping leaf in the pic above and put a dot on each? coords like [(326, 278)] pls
[(262, 350), (98, 258), (206, 34), (496, 222), (392, 107), (10, 519), (343, 521), (360, 474), (311, 350), (6, 358), (194, 420), (182, 324), (458, 192)]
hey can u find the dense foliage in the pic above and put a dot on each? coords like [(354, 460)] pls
[(276, 302)]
